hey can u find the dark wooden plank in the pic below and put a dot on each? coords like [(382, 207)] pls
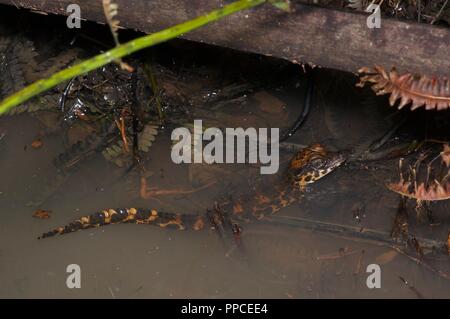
[(329, 38)]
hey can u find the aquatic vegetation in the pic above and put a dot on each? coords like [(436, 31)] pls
[(21, 64), (115, 152)]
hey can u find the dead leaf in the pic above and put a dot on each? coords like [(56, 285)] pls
[(386, 257), (79, 131), (199, 224), (42, 214), (269, 103), (37, 144)]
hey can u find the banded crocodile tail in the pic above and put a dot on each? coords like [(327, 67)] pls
[(133, 216)]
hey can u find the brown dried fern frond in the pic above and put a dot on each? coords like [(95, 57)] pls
[(431, 92), (111, 9), (421, 192), (434, 185)]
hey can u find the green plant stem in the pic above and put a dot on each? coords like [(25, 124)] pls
[(121, 51)]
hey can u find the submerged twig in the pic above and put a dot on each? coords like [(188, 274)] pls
[(412, 288), (370, 235), (340, 254), (121, 126), (359, 264), (306, 108), (148, 193), (422, 263), (379, 237), (439, 13), (155, 89)]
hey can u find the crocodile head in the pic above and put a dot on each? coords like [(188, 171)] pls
[(312, 163)]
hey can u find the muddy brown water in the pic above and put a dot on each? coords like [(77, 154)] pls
[(280, 260)]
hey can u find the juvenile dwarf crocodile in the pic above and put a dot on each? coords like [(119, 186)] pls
[(307, 166)]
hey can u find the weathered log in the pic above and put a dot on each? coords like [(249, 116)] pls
[(324, 37)]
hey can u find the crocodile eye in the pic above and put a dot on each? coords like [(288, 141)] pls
[(316, 163)]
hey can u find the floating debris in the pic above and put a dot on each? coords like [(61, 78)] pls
[(42, 214), (37, 143)]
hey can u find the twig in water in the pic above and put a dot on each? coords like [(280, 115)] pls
[(422, 263), (359, 264), (121, 126), (419, 10), (62, 101), (440, 12), (355, 233), (155, 89), (111, 292), (342, 253), (307, 106), (412, 288), (148, 193)]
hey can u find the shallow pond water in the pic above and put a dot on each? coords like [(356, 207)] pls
[(280, 259)]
